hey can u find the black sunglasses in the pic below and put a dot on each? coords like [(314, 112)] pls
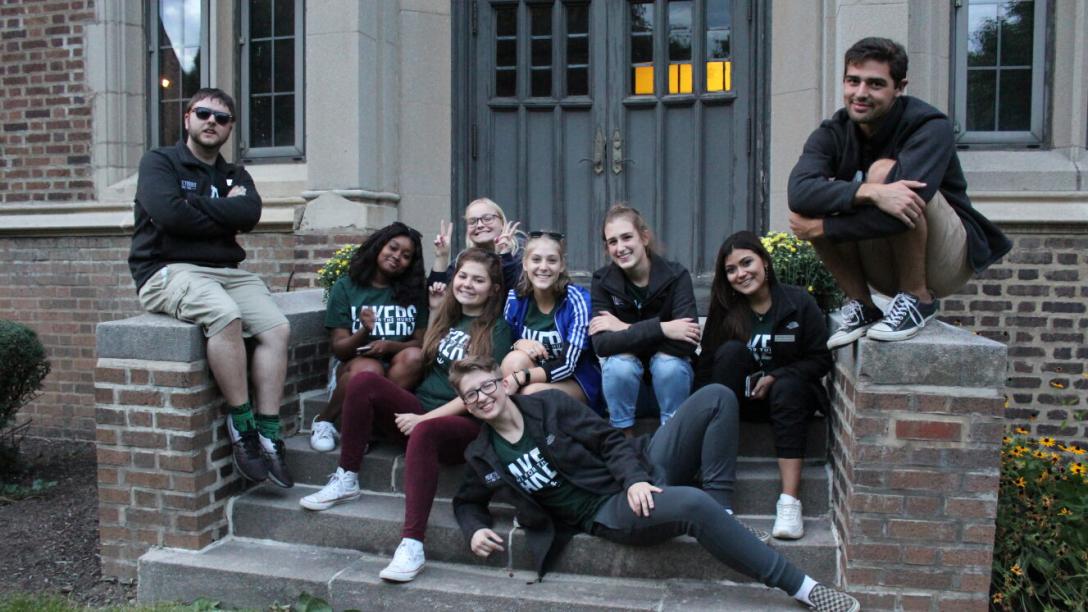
[(556, 236), (220, 117)]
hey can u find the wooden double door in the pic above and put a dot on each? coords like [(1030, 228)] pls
[(563, 108)]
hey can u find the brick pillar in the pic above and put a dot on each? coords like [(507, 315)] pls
[(164, 464), (917, 433)]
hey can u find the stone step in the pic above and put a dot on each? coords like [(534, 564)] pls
[(756, 440), (237, 573), (383, 471), (373, 524)]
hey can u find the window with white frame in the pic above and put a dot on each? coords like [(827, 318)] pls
[(999, 85), (271, 63), (178, 46)]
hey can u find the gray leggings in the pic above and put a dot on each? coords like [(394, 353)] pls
[(703, 434)]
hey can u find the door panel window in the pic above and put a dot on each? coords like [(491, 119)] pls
[(506, 51), (642, 48), (719, 70), (577, 50), (680, 46), (540, 50)]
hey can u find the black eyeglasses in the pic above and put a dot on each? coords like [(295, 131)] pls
[(556, 236), (220, 117), (488, 218), (487, 388)]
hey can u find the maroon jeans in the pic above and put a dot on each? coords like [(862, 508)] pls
[(373, 401)]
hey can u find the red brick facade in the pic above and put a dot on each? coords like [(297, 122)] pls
[(45, 118)]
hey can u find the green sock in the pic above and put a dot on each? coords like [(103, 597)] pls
[(269, 426), (242, 417)]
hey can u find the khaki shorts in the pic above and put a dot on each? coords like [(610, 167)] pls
[(947, 267), (212, 298)]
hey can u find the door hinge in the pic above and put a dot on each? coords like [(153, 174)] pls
[(474, 16), (472, 142)]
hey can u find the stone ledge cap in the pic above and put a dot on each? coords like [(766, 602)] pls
[(156, 337)]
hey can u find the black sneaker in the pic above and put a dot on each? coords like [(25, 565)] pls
[(905, 318), (827, 599), (246, 451), (857, 318), (275, 454)]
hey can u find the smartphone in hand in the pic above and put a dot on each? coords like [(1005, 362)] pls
[(364, 349), (750, 382)]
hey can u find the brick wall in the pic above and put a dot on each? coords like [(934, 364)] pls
[(45, 116), (1035, 301), (64, 287)]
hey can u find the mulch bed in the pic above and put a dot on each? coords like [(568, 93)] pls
[(50, 539)]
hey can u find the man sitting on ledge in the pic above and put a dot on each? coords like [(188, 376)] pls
[(190, 206), (880, 193)]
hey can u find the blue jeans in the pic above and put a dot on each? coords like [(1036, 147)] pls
[(622, 383)]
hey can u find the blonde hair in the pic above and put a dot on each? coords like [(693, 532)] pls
[(562, 280), (518, 236)]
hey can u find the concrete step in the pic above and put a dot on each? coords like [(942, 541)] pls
[(383, 471), (238, 572), (373, 524), (756, 440)]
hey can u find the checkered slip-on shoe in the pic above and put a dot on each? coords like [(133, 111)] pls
[(827, 599)]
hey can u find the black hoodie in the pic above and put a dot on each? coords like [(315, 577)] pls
[(180, 219), (669, 296), (919, 138)]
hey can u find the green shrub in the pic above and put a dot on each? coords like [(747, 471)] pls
[(335, 267), (1041, 545), (796, 263), (23, 367)]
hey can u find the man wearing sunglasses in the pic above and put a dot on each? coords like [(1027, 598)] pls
[(190, 206), (566, 470)]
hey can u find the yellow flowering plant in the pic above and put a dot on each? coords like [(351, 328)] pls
[(796, 263), (335, 267), (1041, 546)]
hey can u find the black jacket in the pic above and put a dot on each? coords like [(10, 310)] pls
[(798, 341), (576, 442), (919, 137), (669, 296), (177, 218)]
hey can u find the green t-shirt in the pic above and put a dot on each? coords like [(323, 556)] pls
[(392, 321), (541, 328), (435, 389), (759, 343), (563, 500)]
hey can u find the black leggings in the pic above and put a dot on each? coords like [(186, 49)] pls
[(789, 404)]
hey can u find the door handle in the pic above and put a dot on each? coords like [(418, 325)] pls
[(598, 152), (617, 153)]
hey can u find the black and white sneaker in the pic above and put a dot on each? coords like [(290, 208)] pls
[(247, 453), (857, 318), (827, 599), (906, 317), (275, 455)]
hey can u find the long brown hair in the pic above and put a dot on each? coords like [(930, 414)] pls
[(450, 312), (562, 280), (730, 317)]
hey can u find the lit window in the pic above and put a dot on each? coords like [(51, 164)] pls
[(680, 46), (179, 64), (642, 48), (719, 71)]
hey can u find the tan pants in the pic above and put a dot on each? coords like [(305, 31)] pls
[(212, 298), (947, 267)]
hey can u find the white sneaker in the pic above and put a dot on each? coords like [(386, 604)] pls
[(788, 524), (323, 436), (407, 562), (343, 486)]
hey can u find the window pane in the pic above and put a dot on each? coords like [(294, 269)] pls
[(260, 121), (260, 67), (577, 19), (642, 17), (285, 65), (1016, 34), (190, 65), (170, 124), (506, 21), (506, 53), (540, 18), (717, 44), (577, 81), (680, 30), (285, 17), (578, 51), (505, 83), (260, 19), (642, 49), (1014, 107), (284, 120), (542, 82), (982, 29), (542, 52), (169, 75), (718, 14), (981, 87)]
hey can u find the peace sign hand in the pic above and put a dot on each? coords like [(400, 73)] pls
[(442, 240), (505, 242)]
